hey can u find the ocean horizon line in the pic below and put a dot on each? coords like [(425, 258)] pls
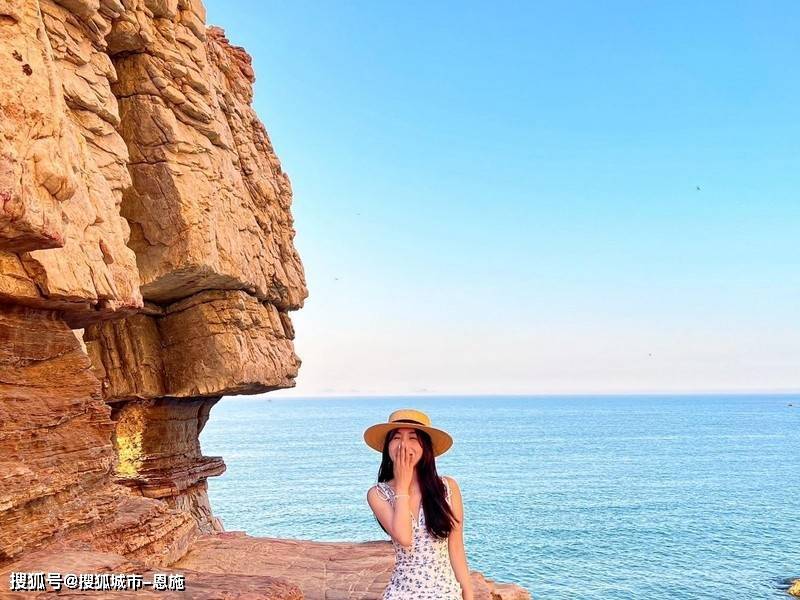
[(685, 394)]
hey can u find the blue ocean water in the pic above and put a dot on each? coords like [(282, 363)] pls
[(669, 497)]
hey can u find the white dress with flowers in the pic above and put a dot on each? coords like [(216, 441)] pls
[(422, 572)]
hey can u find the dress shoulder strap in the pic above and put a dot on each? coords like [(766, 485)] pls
[(384, 490)]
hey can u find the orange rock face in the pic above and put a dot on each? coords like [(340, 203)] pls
[(209, 204), (147, 268), (63, 165), (57, 457)]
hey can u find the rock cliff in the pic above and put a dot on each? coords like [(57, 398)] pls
[(147, 268)]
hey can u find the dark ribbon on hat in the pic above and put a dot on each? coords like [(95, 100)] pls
[(408, 421)]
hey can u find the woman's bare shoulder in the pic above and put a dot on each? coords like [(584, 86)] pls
[(452, 484)]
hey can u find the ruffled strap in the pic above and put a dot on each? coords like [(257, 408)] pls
[(385, 491), (447, 488)]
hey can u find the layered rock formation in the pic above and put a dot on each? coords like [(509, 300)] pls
[(57, 457), (63, 165), (147, 268)]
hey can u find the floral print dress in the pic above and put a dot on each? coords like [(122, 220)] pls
[(422, 572)]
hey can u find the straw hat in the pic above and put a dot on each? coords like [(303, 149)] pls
[(408, 417)]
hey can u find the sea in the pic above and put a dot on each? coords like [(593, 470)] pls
[(609, 497)]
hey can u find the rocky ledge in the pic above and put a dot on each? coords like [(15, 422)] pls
[(234, 565), (147, 268)]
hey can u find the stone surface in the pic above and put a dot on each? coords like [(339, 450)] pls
[(158, 451), (127, 357), (199, 585), (218, 342), (56, 452), (322, 570), (226, 342), (794, 589), (209, 205), (31, 132), (62, 166)]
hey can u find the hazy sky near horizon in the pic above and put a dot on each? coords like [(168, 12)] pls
[(503, 197)]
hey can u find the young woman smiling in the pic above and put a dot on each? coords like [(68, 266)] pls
[(421, 511)]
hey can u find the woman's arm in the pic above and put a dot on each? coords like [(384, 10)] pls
[(392, 519), (397, 520), (455, 543)]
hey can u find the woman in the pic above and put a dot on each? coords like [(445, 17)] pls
[(421, 511)]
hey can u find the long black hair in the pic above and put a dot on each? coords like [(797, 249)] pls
[(439, 518)]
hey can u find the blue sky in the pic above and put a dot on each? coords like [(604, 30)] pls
[(502, 197)]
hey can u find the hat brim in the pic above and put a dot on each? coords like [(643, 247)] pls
[(375, 436)]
